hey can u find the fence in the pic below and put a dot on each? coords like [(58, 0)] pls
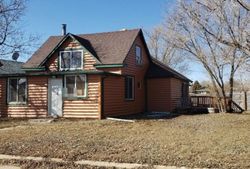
[(242, 99)]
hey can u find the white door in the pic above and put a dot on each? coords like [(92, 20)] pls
[(55, 97)]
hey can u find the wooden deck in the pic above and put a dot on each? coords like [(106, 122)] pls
[(209, 101)]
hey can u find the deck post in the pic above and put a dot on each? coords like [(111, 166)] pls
[(245, 100)]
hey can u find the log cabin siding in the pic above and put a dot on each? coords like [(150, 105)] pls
[(176, 92), (70, 44), (159, 94), (3, 101), (36, 105), (114, 103), (89, 107), (114, 87)]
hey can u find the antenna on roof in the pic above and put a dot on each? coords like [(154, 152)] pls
[(15, 55)]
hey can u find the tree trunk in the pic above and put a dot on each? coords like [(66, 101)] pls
[(225, 103), (245, 100), (231, 84)]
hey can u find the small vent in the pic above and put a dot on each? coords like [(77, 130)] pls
[(123, 29)]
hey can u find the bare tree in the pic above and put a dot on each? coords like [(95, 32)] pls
[(244, 4), (215, 33), (163, 50), (12, 38)]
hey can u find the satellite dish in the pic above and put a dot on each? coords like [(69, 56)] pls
[(15, 55)]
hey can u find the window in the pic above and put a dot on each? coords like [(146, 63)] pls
[(71, 60), (129, 88), (75, 86), (138, 55), (17, 90), (184, 90)]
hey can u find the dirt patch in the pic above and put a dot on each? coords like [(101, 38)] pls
[(204, 141)]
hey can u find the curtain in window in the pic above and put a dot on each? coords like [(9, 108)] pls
[(13, 90), (65, 60), (21, 90), (70, 85), (76, 59)]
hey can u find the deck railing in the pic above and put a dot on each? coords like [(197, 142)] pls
[(209, 101), (202, 101)]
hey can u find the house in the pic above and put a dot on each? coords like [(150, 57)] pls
[(201, 92), (90, 76)]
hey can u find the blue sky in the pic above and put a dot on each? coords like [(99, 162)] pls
[(44, 17), (88, 16)]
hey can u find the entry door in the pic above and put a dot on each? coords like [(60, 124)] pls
[(55, 97)]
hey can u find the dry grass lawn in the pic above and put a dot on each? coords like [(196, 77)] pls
[(212, 141), (12, 122)]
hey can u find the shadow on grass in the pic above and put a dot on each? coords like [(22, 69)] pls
[(149, 116), (165, 115)]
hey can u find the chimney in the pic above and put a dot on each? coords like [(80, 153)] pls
[(64, 29)]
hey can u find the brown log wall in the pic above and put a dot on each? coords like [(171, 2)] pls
[(89, 107), (114, 87), (36, 103), (159, 95)]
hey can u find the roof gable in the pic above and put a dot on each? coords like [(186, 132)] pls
[(108, 47), (83, 43)]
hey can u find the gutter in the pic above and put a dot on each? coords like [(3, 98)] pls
[(109, 65), (34, 69)]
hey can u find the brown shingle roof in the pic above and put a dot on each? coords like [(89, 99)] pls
[(159, 70), (108, 47)]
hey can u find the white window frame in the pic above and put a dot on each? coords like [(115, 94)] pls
[(70, 51), (133, 87), (65, 93), (8, 91), (138, 58)]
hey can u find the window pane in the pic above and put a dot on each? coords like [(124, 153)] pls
[(138, 51), (129, 88), (22, 90), (70, 85), (130, 91), (65, 60), (76, 59), (80, 85), (13, 90), (138, 55), (126, 88)]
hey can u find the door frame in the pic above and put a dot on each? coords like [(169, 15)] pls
[(49, 95)]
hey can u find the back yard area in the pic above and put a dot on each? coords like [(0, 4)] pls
[(211, 141)]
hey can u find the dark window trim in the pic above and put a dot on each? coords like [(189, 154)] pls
[(133, 87)]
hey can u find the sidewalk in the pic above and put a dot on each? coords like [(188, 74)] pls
[(84, 162)]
